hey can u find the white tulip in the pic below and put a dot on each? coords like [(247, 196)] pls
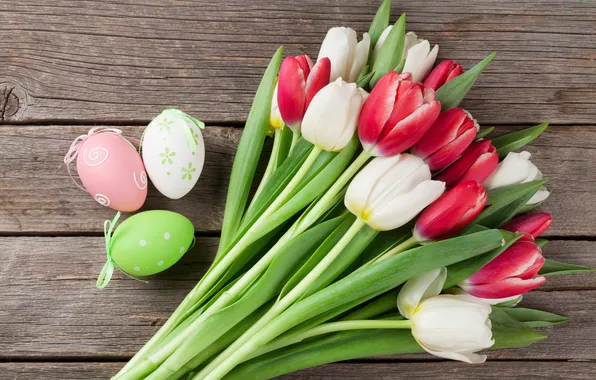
[(447, 326), (391, 191), (452, 327), (419, 58), (332, 116), (517, 168), (348, 56), (410, 40), (275, 120)]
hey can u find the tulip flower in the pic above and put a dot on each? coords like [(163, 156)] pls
[(348, 56), (442, 73), (476, 163), (533, 224), (298, 83), (451, 213), (447, 326), (517, 168), (330, 120), (396, 115), (420, 60), (449, 136), (275, 119), (410, 40), (391, 191), (510, 274)]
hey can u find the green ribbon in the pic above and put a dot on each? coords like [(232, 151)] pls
[(108, 269), (187, 131)]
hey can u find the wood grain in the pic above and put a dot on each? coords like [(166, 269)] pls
[(51, 308), (516, 370), (37, 195), (126, 60)]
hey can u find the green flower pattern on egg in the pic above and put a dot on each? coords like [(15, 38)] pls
[(151, 242)]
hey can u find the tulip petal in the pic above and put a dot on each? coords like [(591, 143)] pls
[(539, 196), (476, 163), (442, 73), (514, 261), (506, 288), (336, 47), (533, 269), (418, 288), (514, 169), (291, 92), (533, 224), (409, 99), (407, 132), (360, 58), (318, 78), (450, 152), (405, 207), (467, 357), (377, 109)]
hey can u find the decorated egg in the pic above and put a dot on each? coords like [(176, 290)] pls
[(150, 242), (174, 152), (112, 171)]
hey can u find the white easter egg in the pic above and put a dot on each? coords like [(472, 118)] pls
[(173, 153)]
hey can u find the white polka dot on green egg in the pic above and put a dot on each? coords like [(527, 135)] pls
[(151, 241)]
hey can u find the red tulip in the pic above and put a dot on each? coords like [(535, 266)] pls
[(533, 224), (298, 83), (442, 73), (451, 213), (476, 163), (396, 115), (510, 274), (449, 136)]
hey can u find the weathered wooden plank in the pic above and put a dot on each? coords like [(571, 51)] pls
[(50, 307), (37, 195), (125, 60), (340, 371)]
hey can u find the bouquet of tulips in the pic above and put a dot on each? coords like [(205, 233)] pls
[(385, 222)]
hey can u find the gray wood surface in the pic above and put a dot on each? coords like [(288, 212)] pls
[(68, 65), (37, 195), (124, 60)]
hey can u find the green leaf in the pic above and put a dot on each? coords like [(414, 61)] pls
[(460, 271), (249, 152), (378, 25), (534, 318), (541, 242), (385, 275), (454, 91), (364, 80), (285, 146), (391, 52), (527, 208), (505, 202), (554, 268), (509, 332), (483, 132), (511, 303), (516, 140), (292, 257)]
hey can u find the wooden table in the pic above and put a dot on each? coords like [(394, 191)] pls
[(68, 65)]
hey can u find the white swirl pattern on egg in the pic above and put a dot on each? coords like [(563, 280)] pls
[(143, 179), (102, 200), (94, 156)]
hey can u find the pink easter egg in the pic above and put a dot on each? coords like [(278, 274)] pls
[(112, 171)]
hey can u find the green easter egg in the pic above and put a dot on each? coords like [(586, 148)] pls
[(151, 242)]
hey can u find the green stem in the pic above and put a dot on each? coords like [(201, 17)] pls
[(330, 328), (295, 137), (271, 165), (251, 339), (410, 243), (145, 365)]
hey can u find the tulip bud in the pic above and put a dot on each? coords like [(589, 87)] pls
[(442, 73), (275, 120), (517, 168), (420, 59), (476, 163), (348, 56), (396, 115), (447, 326), (451, 213), (298, 83), (533, 224), (391, 191), (452, 327), (449, 136), (330, 120), (510, 274)]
